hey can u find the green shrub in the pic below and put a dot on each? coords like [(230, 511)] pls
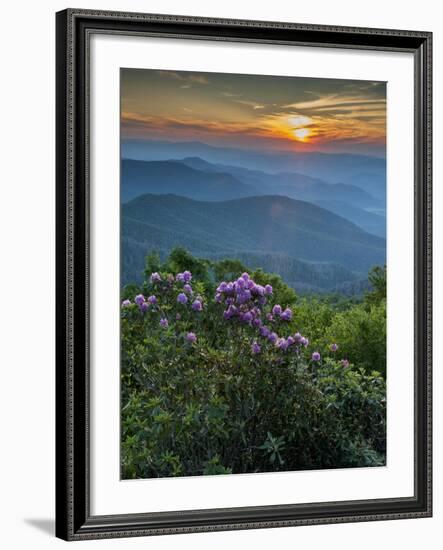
[(361, 332), (226, 384)]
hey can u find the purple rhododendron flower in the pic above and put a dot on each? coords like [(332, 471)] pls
[(191, 337), (187, 288), (197, 305), (286, 315), (222, 287), (164, 323), (126, 303), (179, 277), (250, 298), (152, 300), (230, 312), (258, 289), (239, 284), (344, 363), (155, 277), (304, 341), (255, 348), (282, 343), (144, 307), (139, 299), (243, 296), (316, 356), (333, 347), (182, 298), (247, 317), (250, 284), (187, 276)]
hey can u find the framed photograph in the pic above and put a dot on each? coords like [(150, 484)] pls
[(243, 274)]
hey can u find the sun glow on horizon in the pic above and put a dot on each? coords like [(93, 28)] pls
[(287, 113), (302, 134), (300, 127)]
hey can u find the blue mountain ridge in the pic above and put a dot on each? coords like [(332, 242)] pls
[(275, 232)]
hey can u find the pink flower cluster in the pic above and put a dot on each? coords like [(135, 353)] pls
[(244, 301)]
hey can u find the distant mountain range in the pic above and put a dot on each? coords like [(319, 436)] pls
[(316, 219), (308, 245), (163, 177), (368, 221), (198, 179), (291, 184), (367, 172)]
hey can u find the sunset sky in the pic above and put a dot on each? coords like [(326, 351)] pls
[(254, 111)]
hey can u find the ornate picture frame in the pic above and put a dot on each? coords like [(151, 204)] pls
[(74, 519)]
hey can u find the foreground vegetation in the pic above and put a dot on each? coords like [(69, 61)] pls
[(226, 370)]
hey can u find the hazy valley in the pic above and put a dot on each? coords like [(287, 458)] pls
[(319, 235)]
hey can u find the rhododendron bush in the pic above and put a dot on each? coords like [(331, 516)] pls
[(220, 376)]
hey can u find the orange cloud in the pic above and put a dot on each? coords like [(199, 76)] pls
[(321, 121)]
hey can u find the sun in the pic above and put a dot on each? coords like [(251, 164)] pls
[(302, 134)]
